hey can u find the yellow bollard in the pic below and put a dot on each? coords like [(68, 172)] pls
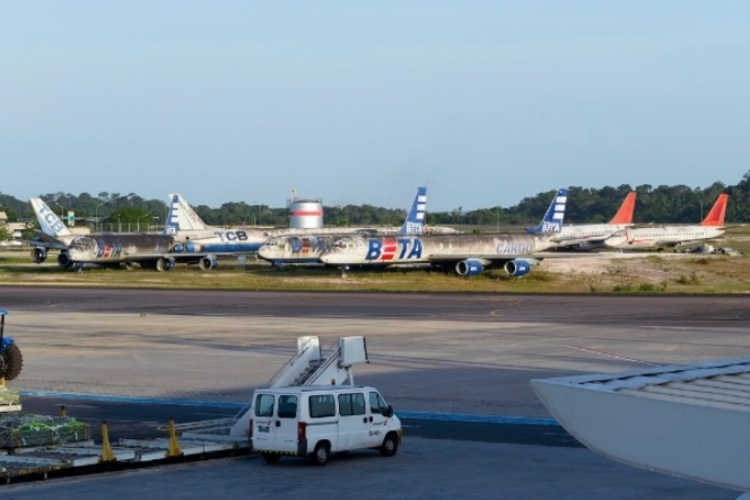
[(107, 455), (174, 445)]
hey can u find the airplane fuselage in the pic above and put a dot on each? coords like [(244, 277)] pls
[(108, 248), (301, 249), (660, 237), (379, 251), (585, 236)]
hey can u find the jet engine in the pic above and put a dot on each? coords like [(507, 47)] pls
[(207, 263), (518, 267), (64, 261), (39, 255), (469, 267), (165, 264)]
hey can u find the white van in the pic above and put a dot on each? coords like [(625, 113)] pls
[(315, 421)]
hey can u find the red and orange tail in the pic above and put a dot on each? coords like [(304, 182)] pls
[(625, 214), (716, 216)]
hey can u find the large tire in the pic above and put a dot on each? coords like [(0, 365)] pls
[(321, 454), (13, 362), (271, 458), (389, 446)]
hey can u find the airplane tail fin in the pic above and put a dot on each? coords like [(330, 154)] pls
[(182, 217), (716, 216), (624, 214), (414, 223), (49, 222), (553, 220)]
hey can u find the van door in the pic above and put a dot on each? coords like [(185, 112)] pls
[(285, 423), (354, 422), (275, 423), (378, 423)]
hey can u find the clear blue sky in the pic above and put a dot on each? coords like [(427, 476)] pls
[(484, 102)]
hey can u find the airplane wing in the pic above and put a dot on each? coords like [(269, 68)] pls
[(486, 259), (45, 241), (472, 264)]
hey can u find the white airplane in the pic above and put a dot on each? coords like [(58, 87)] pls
[(582, 236), (466, 254), (148, 250), (660, 237)]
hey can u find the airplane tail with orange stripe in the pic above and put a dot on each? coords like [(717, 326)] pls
[(625, 214), (716, 216)]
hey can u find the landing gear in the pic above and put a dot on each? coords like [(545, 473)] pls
[(343, 270)]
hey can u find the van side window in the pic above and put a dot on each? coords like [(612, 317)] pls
[(287, 407), (345, 405), (323, 405), (377, 405), (264, 405), (358, 404), (351, 404)]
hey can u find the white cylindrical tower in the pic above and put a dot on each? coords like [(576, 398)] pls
[(305, 214)]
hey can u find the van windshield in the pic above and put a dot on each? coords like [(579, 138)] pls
[(377, 405)]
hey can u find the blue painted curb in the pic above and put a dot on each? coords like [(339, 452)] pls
[(443, 417)]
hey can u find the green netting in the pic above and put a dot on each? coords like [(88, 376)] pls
[(9, 397), (28, 429)]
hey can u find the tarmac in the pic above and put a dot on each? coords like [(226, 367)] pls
[(441, 354)]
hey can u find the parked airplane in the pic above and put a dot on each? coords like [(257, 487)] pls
[(198, 243), (149, 250), (466, 254), (307, 248), (661, 237), (582, 236)]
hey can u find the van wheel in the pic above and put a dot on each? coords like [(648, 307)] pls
[(389, 446), (271, 458), (321, 454)]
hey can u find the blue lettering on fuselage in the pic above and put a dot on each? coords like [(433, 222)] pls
[(373, 249), (388, 249)]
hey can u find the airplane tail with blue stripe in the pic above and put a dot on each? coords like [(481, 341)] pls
[(414, 223), (49, 222), (552, 221), (182, 217)]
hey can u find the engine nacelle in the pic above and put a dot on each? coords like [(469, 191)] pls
[(518, 267), (207, 263), (165, 264), (64, 261), (39, 255), (469, 267)]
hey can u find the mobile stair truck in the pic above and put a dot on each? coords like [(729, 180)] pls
[(311, 408)]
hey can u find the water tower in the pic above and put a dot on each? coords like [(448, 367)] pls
[(305, 213)]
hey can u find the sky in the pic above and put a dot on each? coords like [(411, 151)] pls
[(483, 102)]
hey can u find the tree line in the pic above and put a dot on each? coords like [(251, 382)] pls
[(678, 204)]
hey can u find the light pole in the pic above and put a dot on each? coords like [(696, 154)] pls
[(96, 217), (138, 222), (497, 217)]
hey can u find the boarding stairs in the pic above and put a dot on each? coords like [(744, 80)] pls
[(309, 366)]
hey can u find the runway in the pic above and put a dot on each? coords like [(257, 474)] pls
[(444, 354)]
